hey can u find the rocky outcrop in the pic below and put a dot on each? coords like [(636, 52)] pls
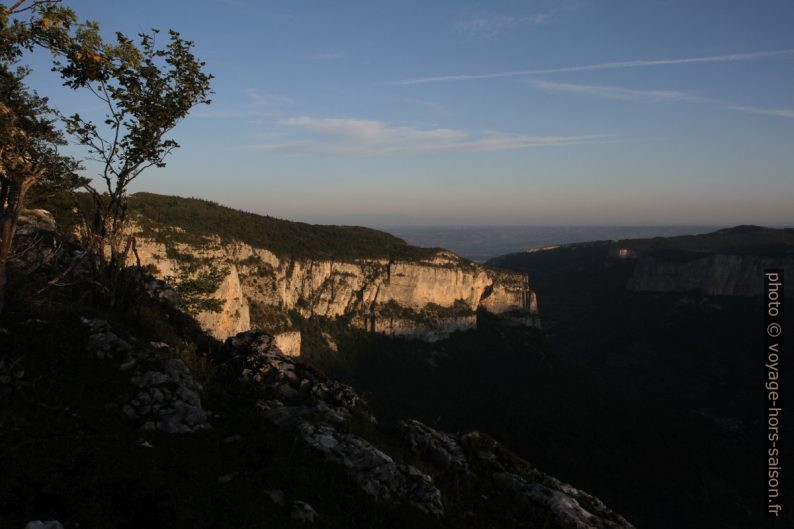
[(550, 498), (426, 299), (295, 396), (565, 503), (32, 220), (441, 447), (288, 342), (167, 399), (320, 412), (38, 524), (163, 394), (374, 471), (430, 330), (302, 512), (714, 275)]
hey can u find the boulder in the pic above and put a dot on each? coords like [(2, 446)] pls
[(302, 512), (165, 395), (440, 447), (374, 471)]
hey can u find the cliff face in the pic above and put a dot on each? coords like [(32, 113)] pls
[(279, 442), (726, 262), (715, 275), (426, 298)]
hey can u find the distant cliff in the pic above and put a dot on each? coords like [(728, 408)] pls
[(425, 299), (398, 290), (715, 275), (728, 262)]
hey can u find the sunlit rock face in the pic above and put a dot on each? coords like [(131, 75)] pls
[(425, 299), (288, 342), (427, 331), (234, 316)]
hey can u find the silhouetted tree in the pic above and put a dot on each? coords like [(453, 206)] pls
[(146, 90), (29, 139)]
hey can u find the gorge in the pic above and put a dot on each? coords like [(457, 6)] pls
[(425, 296)]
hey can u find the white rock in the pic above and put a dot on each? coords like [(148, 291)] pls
[(276, 496), (302, 512), (38, 524)]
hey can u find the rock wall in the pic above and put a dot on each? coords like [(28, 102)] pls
[(430, 331), (288, 342), (716, 275), (434, 297), (235, 316)]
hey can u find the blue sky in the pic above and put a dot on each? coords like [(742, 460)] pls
[(618, 112)]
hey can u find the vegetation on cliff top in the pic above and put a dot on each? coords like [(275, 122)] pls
[(739, 240), (203, 218)]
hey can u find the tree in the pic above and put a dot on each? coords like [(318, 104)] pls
[(196, 286), (29, 139), (146, 91), (48, 25)]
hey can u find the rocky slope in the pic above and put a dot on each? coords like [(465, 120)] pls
[(293, 397), (136, 418), (319, 408), (426, 296)]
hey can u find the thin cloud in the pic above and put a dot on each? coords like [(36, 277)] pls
[(434, 108), (777, 112), (358, 137), (333, 56), (259, 105), (630, 94), (259, 99), (493, 25), (614, 92), (734, 57)]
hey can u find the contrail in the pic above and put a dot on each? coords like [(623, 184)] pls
[(600, 66)]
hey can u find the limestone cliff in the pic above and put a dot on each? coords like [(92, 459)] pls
[(714, 275), (427, 298), (726, 262)]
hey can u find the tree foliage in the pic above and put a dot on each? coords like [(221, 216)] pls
[(146, 90), (27, 25), (29, 137), (195, 288), (198, 219)]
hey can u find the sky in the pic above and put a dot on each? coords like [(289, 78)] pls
[(506, 112)]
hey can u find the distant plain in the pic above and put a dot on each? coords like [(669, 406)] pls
[(480, 243)]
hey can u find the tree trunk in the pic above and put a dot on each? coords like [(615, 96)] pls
[(2, 286), (6, 234), (14, 200)]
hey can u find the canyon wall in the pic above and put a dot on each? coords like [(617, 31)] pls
[(714, 275), (426, 299)]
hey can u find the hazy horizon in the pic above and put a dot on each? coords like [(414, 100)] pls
[(481, 243), (508, 112)]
